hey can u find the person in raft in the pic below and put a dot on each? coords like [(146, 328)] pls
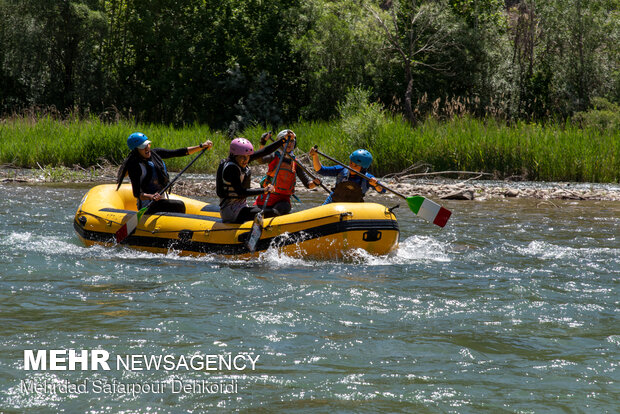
[(148, 173), (284, 186), (233, 178), (350, 187)]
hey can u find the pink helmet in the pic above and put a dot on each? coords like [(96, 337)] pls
[(241, 146)]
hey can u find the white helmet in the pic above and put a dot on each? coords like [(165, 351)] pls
[(285, 133)]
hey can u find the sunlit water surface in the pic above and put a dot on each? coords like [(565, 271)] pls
[(512, 307)]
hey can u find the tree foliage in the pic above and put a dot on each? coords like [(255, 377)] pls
[(235, 63)]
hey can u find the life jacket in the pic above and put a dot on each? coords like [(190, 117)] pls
[(287, 175), (159, 168), (347, 192), (157, 174), (345, 175), (224, 189)]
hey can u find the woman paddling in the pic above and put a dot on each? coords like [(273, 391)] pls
[(148, 173), (233, 181)]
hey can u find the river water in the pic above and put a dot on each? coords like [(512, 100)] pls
[(512, 307)]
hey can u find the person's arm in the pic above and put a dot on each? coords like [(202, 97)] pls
[(316, 162), (374, 184), (267, 150), (306, 179), (332, 171), (231, 175), (266, 159), (168, 153), (134, 176), (263, 141), (303, 177), (181, 152), (207, 144)]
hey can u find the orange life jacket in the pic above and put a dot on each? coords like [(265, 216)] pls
[(285, 181)]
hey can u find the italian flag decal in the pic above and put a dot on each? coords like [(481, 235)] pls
[(429, 210), (129, 226)]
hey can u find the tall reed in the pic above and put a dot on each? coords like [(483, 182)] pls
[(554, 152), (38, 142)]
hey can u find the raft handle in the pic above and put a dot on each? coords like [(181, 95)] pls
[(371, 235)]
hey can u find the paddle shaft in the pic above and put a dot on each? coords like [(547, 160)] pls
[(303, 167), (181, 173), (357, 172), (162, 191), (275, 176), (257, 227)]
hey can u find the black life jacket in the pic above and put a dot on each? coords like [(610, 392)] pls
[(347, 192), (225, 189), (345, 175), (134, 157)]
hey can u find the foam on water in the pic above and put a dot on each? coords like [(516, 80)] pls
[(550, 251), (414, 249)]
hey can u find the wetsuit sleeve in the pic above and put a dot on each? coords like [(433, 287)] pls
[(330, 171), (231, 175), (166, 153), (266, 159), (303, 176), (267, 150)]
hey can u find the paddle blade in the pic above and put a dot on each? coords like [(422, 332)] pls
[(130, 226), (141, 213), (126, 229), (429, 210), (257, 230)]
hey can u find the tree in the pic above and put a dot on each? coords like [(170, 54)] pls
[(338, 51), (419, 34), (50, 50)]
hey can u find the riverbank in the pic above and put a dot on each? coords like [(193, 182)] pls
[(436, 188)]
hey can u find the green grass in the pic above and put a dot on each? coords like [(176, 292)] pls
[(42, 142), (533, 152), (558, 152)]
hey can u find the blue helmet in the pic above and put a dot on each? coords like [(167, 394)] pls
[(361, 157), (137, 140)]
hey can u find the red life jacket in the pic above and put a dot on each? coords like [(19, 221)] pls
[(285, 181)]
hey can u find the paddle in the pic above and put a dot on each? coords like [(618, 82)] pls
[(421, 206), (257, 227), (303, 167), (130, 225)]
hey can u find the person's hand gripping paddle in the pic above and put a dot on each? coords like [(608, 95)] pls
[(257, 226), (421, 206), (130, 225)]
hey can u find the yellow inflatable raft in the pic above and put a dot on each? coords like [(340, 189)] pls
[(323, 232)]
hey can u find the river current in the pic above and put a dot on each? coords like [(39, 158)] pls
[(512, 307)]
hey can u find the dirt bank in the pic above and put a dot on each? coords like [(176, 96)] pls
[(437, 188), (458, 191)]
